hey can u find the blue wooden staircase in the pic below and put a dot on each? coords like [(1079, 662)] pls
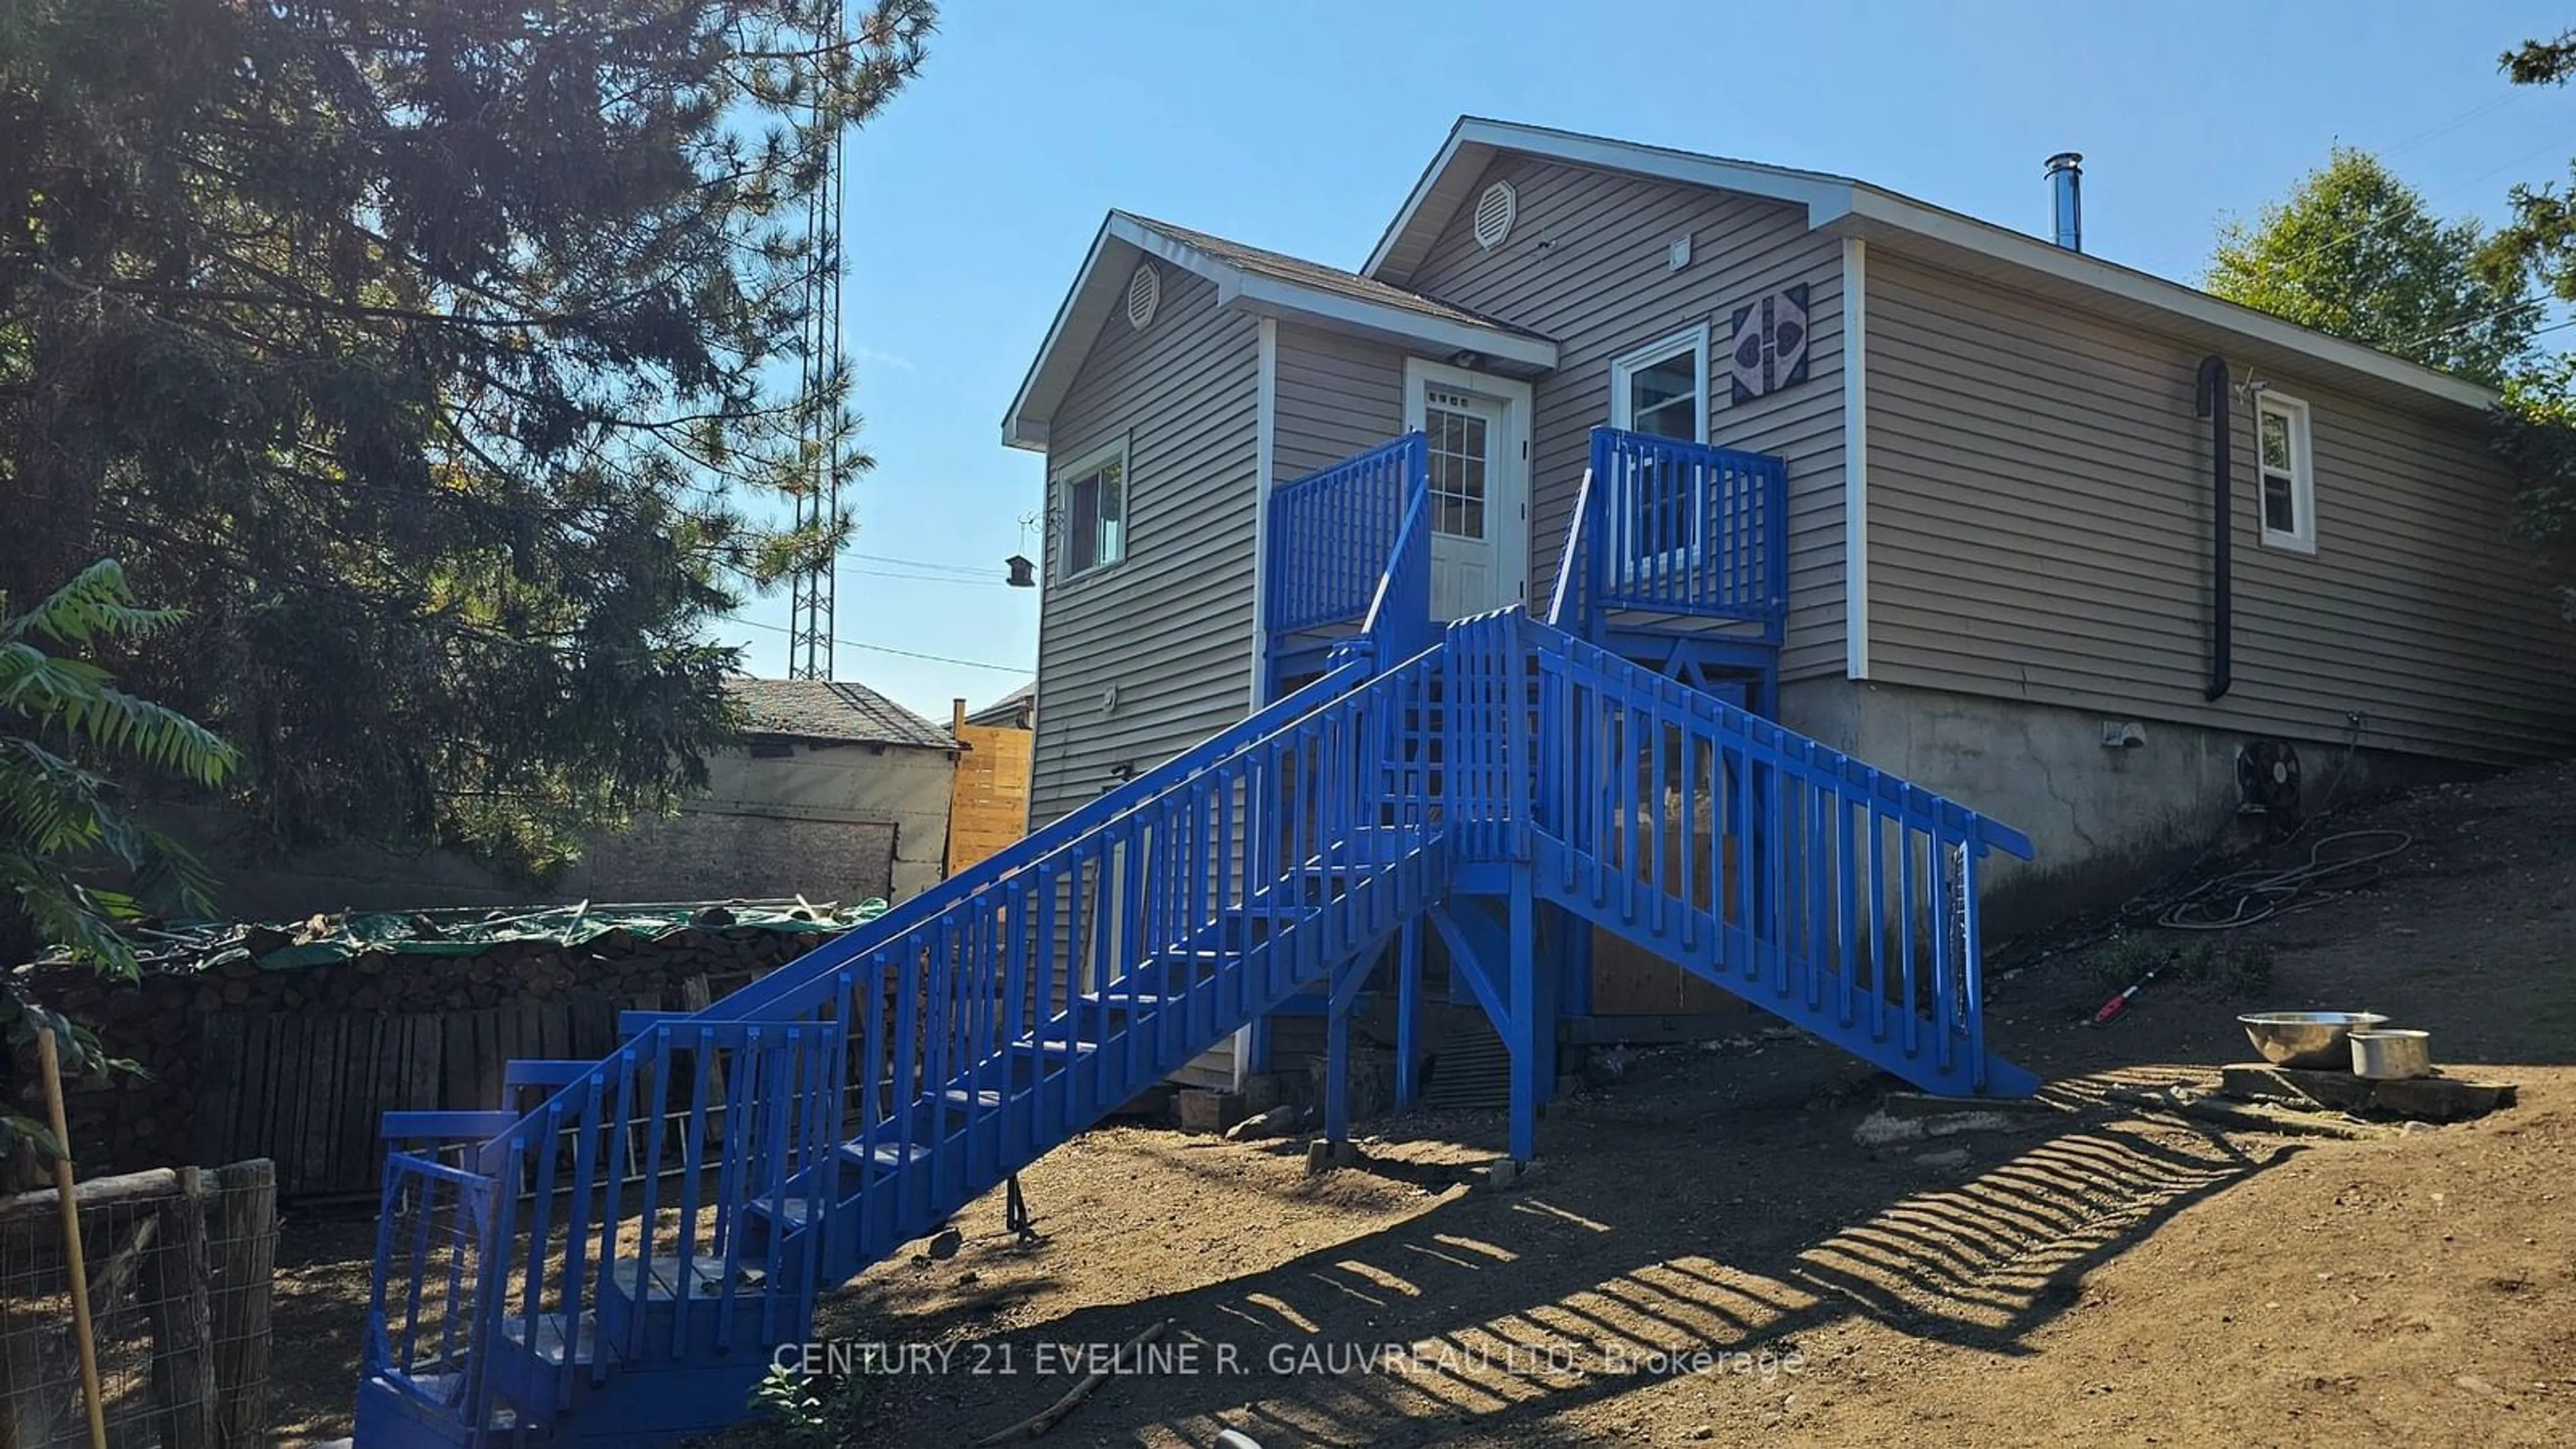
[(619, 1262)]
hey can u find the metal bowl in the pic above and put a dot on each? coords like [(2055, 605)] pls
[(2307, 1038)]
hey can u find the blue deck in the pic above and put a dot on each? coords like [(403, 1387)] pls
[(615, 1263)]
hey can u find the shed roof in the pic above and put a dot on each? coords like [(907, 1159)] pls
[(1007, 709), (833, 709)]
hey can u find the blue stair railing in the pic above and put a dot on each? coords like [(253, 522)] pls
[(1836, 895), (612, 1265), (676, 1207)]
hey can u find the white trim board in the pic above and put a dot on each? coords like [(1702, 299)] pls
[(1855, 458), (1856, 208), (1265, 442)]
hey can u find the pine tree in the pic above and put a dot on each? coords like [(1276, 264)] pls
[(435, 360)]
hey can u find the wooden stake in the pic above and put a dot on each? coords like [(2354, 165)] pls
[(50, 1065)]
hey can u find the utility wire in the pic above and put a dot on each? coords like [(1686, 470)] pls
[(978, 570), (1020, 669)]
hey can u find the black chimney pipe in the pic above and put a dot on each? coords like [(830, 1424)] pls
[(2213, 405)]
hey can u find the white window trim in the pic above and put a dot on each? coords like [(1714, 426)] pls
[(1623, 416), (1622, 411), (1060, 496), (2303, 474)]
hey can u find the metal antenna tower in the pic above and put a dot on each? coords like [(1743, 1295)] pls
[(813, 591)]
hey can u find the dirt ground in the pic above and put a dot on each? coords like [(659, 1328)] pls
[(1706, 1254)]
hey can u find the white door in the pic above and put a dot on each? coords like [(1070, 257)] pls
[(1479, 536)]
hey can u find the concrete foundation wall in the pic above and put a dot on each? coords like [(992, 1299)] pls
[(2105, 821)]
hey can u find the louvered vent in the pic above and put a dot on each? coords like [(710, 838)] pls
[(1144, 290), (1494, 212)]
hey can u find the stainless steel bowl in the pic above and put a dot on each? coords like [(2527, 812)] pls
[(2307, 1038)]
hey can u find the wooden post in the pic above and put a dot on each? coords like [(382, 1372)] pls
[(244, 1234), (50, 1065), (183, 1362)]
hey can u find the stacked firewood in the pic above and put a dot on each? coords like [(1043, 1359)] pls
[(161, 1021)]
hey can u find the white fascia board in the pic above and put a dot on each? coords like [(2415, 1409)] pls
[(1277, 297), (1017, 430), (2143, 289), (1855, 458)]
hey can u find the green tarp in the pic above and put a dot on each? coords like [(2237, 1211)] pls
[(325, 939)]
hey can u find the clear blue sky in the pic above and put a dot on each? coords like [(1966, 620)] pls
[(1301, 126)]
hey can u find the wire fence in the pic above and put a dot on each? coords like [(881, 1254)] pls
[(178, 1264)]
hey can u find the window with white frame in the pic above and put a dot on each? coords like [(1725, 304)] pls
[(2284, 464), (1663, 388), (1091, 508)]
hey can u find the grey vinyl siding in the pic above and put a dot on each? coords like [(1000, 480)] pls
[(1336, 396), (1586, 264), (2039, 529), (1171, 625)]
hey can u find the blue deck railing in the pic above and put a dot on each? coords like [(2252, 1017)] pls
[(1334, 533), (1686, 529)]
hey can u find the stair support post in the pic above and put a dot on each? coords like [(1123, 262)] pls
[(1408, 1015), (1533, 1028), (1574, 962), (1337, 1075)]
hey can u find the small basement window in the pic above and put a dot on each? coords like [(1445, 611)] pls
[(2283, 462), (1092, 504)]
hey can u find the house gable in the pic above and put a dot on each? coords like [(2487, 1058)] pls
[(1590, 262), (1139, 659), (1255, 282)]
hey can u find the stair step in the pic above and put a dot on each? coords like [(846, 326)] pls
[(790, 1213), (1051, 1048), (1126, 1001), (551, 1347), (885, 1156), (704, 1273)]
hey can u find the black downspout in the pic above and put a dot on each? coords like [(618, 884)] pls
[(2214, 406)]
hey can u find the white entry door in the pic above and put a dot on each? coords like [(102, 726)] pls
[(1479, 487)]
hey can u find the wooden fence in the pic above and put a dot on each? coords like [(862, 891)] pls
[(308, 1091), (988, 806), (178, 1272)]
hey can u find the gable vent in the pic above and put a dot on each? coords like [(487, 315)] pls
[(1494, 212), (1144, 290)]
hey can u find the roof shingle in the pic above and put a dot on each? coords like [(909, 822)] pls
[(833, 709)]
